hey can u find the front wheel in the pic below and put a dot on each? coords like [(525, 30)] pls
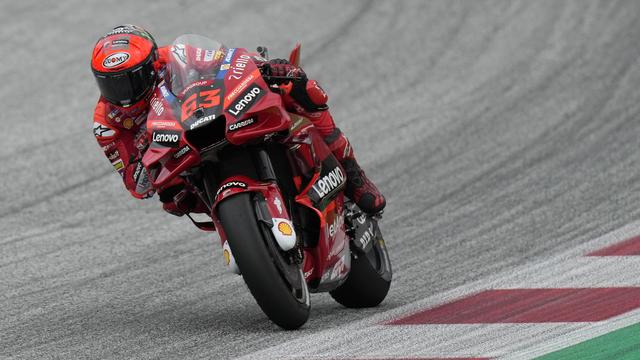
[(369, 279), (277, 285)]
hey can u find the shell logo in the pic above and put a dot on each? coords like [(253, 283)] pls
[(285, 229), (227, 257), (128, 123)]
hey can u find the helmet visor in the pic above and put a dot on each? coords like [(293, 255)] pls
[(127, 87)]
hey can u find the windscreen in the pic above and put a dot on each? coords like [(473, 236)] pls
[(193, 58)]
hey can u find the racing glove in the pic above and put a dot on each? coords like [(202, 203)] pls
[(307, 93), (136, 179)]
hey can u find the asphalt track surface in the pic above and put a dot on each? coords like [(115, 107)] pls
[(502, 132)]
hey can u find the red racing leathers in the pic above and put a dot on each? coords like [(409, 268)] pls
[(121, 132)]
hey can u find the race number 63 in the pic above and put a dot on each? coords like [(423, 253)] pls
[(202, 99)]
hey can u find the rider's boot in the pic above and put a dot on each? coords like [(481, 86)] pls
[(359, 188)]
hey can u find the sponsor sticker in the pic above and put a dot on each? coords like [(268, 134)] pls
[(332, 229), (227, 257), (242, 123), (115, 59), (208, 55), (157, 106), (285, 229), (246, 100), (178, 51), (231, 184), (366, 238), (118, 165), (238, 67), (338, 269), (243, 85), (278, 204), (202, 120), (101, 131), (109, 146), (229, 57), (121, 30), (182, 152), (164, 124), (166, 138), (122, 43), (192, 85), (329, 182), (307, 274), (113, 155), (113, 113), (226, 65), (137, 172), (164, 91), (127, 123), (140, 118)]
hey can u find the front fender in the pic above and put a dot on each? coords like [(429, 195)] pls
[(271, 209)]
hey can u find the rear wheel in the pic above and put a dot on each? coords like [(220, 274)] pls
[(277, 284), (369, 278)]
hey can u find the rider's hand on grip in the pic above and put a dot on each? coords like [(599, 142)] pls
[(279, 71), (137, 181), (142, 139)]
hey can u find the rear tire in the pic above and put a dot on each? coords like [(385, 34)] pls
[(275, 296), (369, 278)]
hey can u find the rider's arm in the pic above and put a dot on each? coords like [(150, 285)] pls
[(304, 96), (120, 147)]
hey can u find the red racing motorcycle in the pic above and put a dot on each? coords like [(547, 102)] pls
[(273, 188)]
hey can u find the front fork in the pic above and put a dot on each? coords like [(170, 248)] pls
[(270, 206)]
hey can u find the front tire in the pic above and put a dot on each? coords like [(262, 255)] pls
[(285, 304)]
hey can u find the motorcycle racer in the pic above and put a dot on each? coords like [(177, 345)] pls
[(126, 62), (127, 65)]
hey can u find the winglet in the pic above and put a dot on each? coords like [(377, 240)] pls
[(294, 57)]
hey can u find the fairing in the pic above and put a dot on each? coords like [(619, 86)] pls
[(212, 88)]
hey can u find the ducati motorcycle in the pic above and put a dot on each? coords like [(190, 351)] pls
[(274, 190)]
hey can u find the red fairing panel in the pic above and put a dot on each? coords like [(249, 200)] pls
[(242, 184), (169, 153), (252, 110), (330, 260)]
